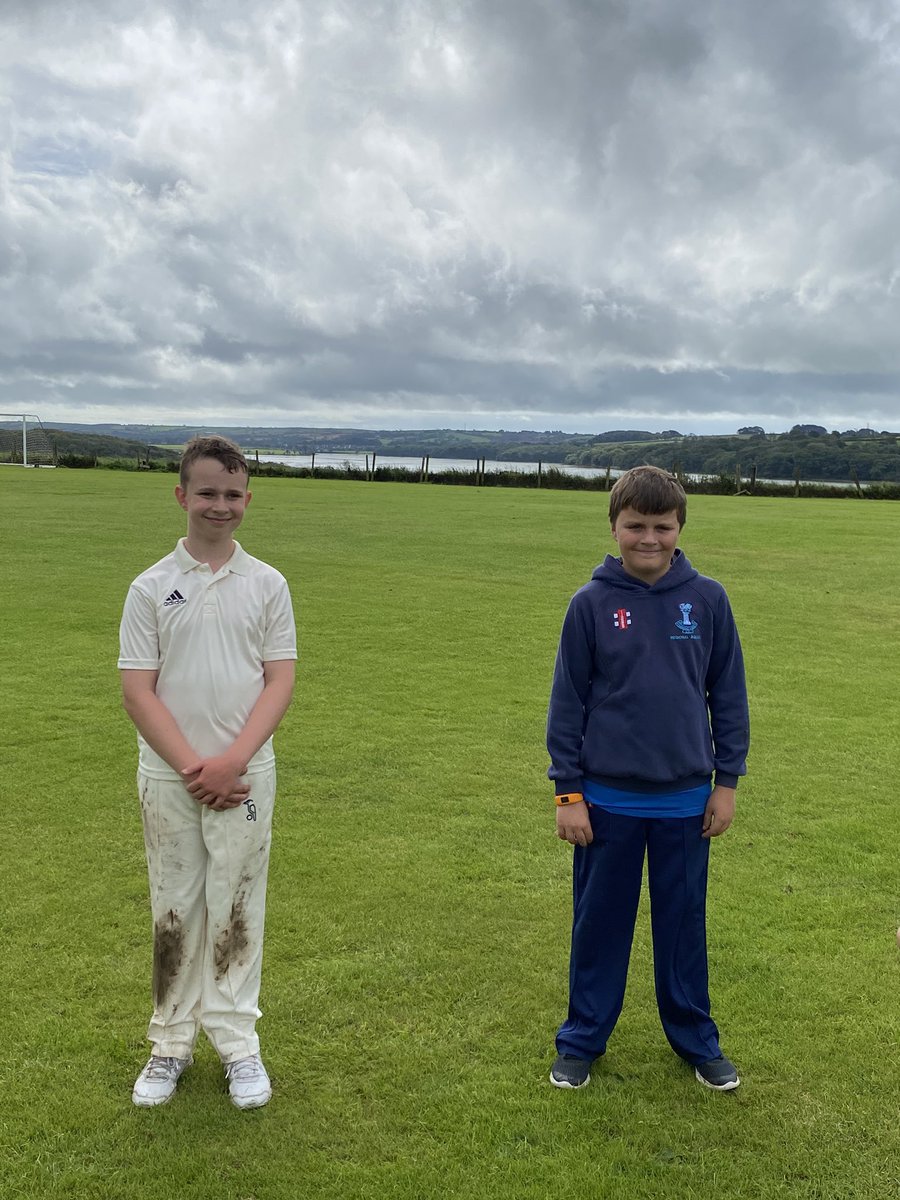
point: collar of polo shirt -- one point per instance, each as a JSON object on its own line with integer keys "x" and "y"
{"x": 237, "y": 563}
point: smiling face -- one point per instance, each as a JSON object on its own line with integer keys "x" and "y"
{"x": 646, "y": 542}
{"x": 214, "y": 499}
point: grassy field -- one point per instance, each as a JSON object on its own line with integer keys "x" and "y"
{"x": 419, "y": 902}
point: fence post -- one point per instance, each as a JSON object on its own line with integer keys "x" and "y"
{"x": 373, "y": 465}
{"x": 753, "y": 478}
{"x": 608, "y": 475}
{"x": 854, "y": 475}
{"x": 427, "y": 466}
{"x": 796, "y": 481}
{"x": 540, "y": 472}
{"x": 312, "y": 465}
{"x": 737, "y": 477}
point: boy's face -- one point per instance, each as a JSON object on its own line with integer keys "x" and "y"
{"x": 214, "y": 499}
{"x": 646, "y": 543}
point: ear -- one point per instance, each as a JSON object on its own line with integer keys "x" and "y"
{"x": 181, "y": 496}
{"x": 248, "y": 498}
{"x": 612, "y": 530}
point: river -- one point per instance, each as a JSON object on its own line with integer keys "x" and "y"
{"x": 435, "y": 464}
{"x": 358, "y": 460}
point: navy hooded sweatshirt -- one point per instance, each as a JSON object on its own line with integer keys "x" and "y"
{"x": 648, "y": 692}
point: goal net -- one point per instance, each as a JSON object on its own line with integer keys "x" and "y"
{"x": 24, "y": 441}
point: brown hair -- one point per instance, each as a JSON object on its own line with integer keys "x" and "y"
{"x": 222, "y": 449}
{"x": 648, "y": 490}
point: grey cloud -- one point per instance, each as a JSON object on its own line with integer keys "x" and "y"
{"x": 568, "y": 211}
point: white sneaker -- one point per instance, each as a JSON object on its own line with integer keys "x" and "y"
{"x": 157, "y": 1082}
{"x": 248, "y": 1083}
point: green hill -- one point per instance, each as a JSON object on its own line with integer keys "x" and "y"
{"x": 824, "y": 456}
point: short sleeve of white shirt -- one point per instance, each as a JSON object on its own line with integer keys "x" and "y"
{"x": 138, "y": 633}
{"x": 281, "y": 636}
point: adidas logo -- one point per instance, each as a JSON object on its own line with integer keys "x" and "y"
{"x": 175, "y": 598}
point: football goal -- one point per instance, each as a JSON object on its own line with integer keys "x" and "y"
{"x": 24, "y": 441}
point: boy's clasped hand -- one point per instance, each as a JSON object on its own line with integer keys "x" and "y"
{"x": 216, "y": 782}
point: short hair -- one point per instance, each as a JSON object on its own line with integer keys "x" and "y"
{"x": 648, "y": 490}
{"x": 222, "y": 449}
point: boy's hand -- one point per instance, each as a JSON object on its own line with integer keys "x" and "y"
{"x": 719, "y": 811}
{"x": 237, "y": 797}
{"x": 216, "y": 781}
{"x": 573, "y": 824}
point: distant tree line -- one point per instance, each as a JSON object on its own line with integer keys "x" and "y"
{"x": 816, "y": 455}
{"x": 98, "y": 445}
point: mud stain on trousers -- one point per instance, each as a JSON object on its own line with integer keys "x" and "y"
{"x": 232, "y": 941}
{"x": 168, "y": 954}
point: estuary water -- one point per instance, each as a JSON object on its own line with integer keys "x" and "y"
{"x": 435, "y": 464}
{"x": 468, "y": 464}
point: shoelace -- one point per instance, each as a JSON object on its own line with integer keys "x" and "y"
{"x": 160, "y": 1068}
{"x": 245, "y": 1070}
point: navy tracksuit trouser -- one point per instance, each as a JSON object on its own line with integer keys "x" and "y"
{"x": 607, "y": 887}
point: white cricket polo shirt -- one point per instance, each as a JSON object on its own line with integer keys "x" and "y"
{"x": 208, "y": 635}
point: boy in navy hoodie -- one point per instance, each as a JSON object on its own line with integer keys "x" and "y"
{"x": 648, "y": 732}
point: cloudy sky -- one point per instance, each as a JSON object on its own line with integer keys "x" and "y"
{"x": 559, "y": 214}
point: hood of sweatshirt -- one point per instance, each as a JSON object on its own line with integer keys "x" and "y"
{"x": 612, "y": 572}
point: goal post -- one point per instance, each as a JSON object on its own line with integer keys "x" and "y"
{"x": 24, "y": 441}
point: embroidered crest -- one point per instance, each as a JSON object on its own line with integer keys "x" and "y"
{"x": 685, "y": 625}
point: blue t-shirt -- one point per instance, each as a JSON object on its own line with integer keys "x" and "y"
{"x": 691, "y": 803}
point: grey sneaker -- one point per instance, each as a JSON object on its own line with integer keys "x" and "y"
{"x": 157, "y": 1082}
{"x": 248, "y": 1082}
{"x": 570, "y": 1072}
{"x": 719, "y": 1073}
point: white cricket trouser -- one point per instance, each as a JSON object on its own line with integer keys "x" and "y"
{"x": 208, "y": 901}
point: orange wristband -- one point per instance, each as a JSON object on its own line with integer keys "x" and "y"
{"x": 570, "y": 798}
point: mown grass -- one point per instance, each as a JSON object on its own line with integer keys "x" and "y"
{"x": 418, "y": 904}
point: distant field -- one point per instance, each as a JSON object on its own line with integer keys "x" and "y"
{"x": 419, "y": 902}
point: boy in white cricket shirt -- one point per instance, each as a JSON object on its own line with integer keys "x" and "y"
{"x": 207, "y": 652}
